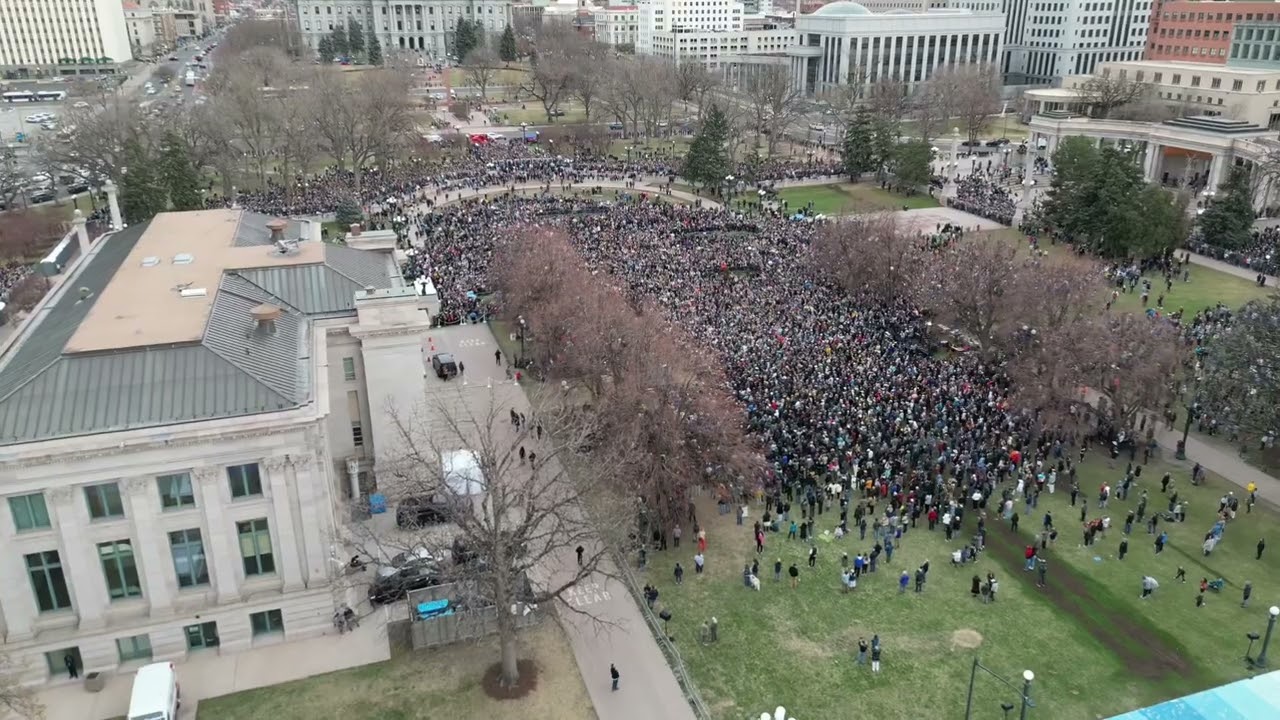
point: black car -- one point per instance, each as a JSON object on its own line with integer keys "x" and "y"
{"x": 395, "y": 587}
{"x": 42, "y": 196}
{"x": 998, "y": 142}
{"x": 464, "y": 554}
{"x": 444, "y": 365}
{"x": 416, "y": 512}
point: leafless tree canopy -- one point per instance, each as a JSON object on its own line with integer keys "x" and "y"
{"x": 15, "y": 699}
{"x": 519, "y": 523}
{"x": 774, "y": 101}
{"x": 871, "y": 253}
{"x": 482, "y": 65}
{"x": 1106, "y": 93}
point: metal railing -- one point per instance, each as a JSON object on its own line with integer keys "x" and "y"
{"x": 674, "y": 659}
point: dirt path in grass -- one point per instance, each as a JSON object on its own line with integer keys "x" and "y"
{"x": 1144, "y": 651}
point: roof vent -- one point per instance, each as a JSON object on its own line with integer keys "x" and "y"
{"x": 193, "y": 293}
{"x": 183, "y": 259}
{"x": 277, "y": 227}
{"x": 150, "y": 261}
{"x": 264, "y": 318}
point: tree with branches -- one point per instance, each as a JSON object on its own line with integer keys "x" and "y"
{"x": 1129, "y": 361}
{"x": 507, "y": 46}
{"x": 1241, "y": 383}
{"x": 857, "y": 152}
{"x": 518, "y": 523}
{"x": 970, "y": 285}
{"x": 774, "y": 101}
{"x": 15, "y": 699}
{"x": 373, "y": 48}
{"x": 1105, "y": 93}
{"x": 1228, "y": 219}
{"x": 707, "y": 161}
{"x": 480, "y": 68}
{"x": 142, "y": 194}
{"x": 178, "y": 175}
{"x": 871, "y": 253}
{"x": 550, "y": 80}
{"x": 977, "y": 97}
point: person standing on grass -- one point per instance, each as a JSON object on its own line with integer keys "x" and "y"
{"x": 1124, "y": 547}
{"x": 679, "y": 574}
{"x": 777, "y": 570}
{"x": 813, "y": 556}
{"x": 1262, "y": 545}
{"x": 794, "y": 572}
{"x": 903, "y": 579}
{"x": 698, "y": 562}
{"x": 1161, "y": 539}
{"x": 1248, "y": 590}
{"x": 614, "y": 675}
{"x": 875, "y": 658}
{"x": 862, "y": 651}
{"x": 1042, "y": 567}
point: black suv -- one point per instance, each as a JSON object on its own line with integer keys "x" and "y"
{"x": 444, "y": 365}
{"x": 416, "y": 512}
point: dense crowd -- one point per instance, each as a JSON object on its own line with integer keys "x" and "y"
{"x": 11, "y": 275}
{"x": 981, "y": 195}
{"x": 1262, "y": 254}
{"x": 498, "y": 164}
{"x": 839, "y": 390}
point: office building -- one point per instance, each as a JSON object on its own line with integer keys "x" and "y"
{"x": 616, "y": 25}
{"x": 72, "y": 37}
{"x": 181, "y": 419}
{"x": 1255, "y": 45}
{"x": 142, "y": 30}
{"x": 844, "y": 42}
{"x": 422, "y": 27}
{"x": 1201, "y": 31}
{"x": 1047, "y": 41}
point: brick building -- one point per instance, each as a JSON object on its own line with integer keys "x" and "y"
{"x": 1200, "y": 30}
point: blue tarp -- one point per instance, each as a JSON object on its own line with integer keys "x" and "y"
{"x": 1253, "y": 699}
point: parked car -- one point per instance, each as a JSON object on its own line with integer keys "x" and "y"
{"x": 464, "y": 554}
{"x": 416, "y": 512}
{"x": 998, "y": 142}
{"x": 414, "y": 573}
{"x": 444, "y": 365}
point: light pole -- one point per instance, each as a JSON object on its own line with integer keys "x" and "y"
{"x": 1272, "y": 613}
{"x": 1027, "y": 677}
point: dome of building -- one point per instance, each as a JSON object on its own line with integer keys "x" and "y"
{"x": 842, "y": 9}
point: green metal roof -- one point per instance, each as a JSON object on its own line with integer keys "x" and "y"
{"x": 234, "y": 370}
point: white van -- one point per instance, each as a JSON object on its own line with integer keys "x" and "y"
{"x": 155, "y": 693}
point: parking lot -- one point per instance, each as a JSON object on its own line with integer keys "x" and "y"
{"x": 12, "y": 118}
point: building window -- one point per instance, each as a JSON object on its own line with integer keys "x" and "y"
{"x": 348, "y": 368}
{"x": 104, "y": 501}
{"x": 255, "y": 547}
{"x": 29, "y": 512}
{"x": 48, "y": 581}
{"x": 1177, "y": 79}
{"x": 1261, "y": 86}
{"x": 1215, "y": 83}
{"x": 267, "y": 622}
{"x": 133, "y": 648}
{"x": 245, "y": 480}
{"x": 120, "y": 569}
{"x": 1195, "y": 81}
{"x": 175, "y": 491}
{"x": 1237, "y": 85}
{"x": 1159, "y": 77}
{"x": 187, "y": 549}
{"x": 203, "y": 635}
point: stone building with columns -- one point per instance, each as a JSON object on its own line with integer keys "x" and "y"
{"x": 424, "y": 28}
{"x": 182, "y": 419}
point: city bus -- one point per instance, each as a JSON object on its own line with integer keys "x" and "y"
{"x": 19, "y": 96}
{"x": 51, "y": 95}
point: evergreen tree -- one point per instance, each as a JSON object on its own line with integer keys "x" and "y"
{"x": 373, "y": 49}
{"x": 141, "y": 194}
{"x": 466, "y": 37}
{"x": 857, "y": 151}
{"x": 507, "y": 48}
{"x": 341, "y": 44}
{"x": 1229, "y": 218}
{"x": 911, "y": 165}
{"x": 355, "y": 37}
{"x": 884, "y": 143}
{"x": 348, "y": 212}
{"x": 179, "y": 175}
{"x": 325, "y": 49}
{"x": 707, "y": 162}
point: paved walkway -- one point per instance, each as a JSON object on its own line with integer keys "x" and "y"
{"x": 1246, "y": 273}
{"x": 610, "y": 627}
{"x": 208, "y": 674}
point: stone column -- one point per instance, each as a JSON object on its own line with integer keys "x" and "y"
{"x": 157, "y": 565}
{"x": 113, "y": 202}
{"x": 221, "y": 554}
{"x": 19, "y": 603}
{"x": 288, "y": 555}
{"x": 1029, "y": 161}
{"x": 80, "y": 563}
{"x": 1216, "y": 165}
{"x": 82, "y": 232}
{"x": 316, "y": 507}
{"x": 1151, "y": 171}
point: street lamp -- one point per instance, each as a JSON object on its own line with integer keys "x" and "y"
{"x": 520, "y": 362}
{"x": 1273, "y": 613}
{"x": 1028, "y": 676}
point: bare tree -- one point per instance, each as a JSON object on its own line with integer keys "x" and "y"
{"x": 24, "y": 234}
{"x": 10, "y": 178}
{"x": 14, "y": 698}
{"x": 95, "y": 151}
{"x": 515, "y": 524}
{"x": 693, "y": 83}
{"x": 929, "y": 109}
{"x": 977, "y": 97}
{"x": 236, "y": 91}
{"x": 550, "y": 80}
{"x": 625, "y": 88}
{"x": 587, "y": 83}
{"x": 971, "y": 285}
{"x": 362, "y": 122}
{"x": 889, "y": 100}
{"x": 774, "y": 101}
{"x": 871, "y": 253}
{"x": 481, "y": 66}
{"x": 1105, "y": 93}
{"x": 295, "y": 114}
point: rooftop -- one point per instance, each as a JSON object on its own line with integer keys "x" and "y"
{"x": 1190, "y": 66}
{"x": 118, "y": 347}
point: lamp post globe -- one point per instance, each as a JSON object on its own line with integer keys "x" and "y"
{"x": 1272, "y": 614}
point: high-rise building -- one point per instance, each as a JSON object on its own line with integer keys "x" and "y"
{"x": 1046, "y": 41}
{"x": 1201, "y": 31}
{"x": 422, "y": 27}
{"x": 70, "y": 37}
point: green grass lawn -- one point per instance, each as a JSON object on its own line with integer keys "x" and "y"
{"x": 417, "y": 685}
{"x": 796, "y": 647}
{"x": 1214, "y": 634}
{"x": 848, "y": 199}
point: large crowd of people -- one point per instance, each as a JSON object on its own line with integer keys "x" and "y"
{"x": 1262, "y": 254}
{"x": 980, "y": 195}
